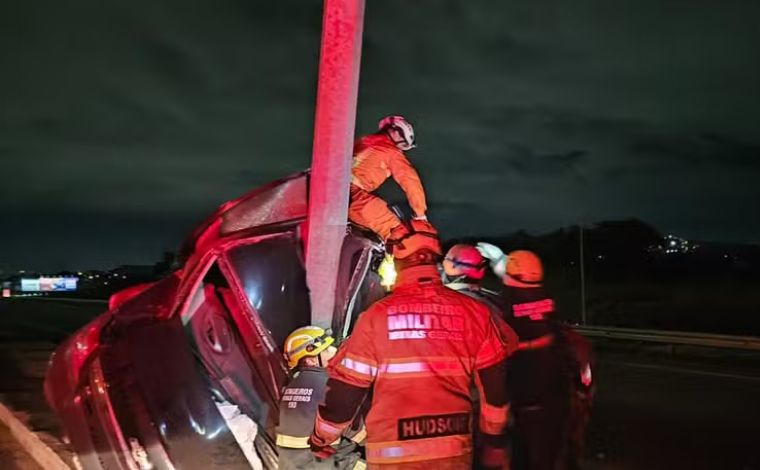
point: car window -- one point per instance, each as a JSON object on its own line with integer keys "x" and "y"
{"x": 274, "y": 280}
{"x": 219, "y": 347}
{"x": 369, "y": 292}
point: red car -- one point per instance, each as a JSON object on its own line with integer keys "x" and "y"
{"x": 166, "y": 376}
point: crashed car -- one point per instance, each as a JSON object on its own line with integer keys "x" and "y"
{"x": 187, "y": 372}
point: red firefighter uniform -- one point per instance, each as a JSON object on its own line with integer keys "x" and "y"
{"x": 376, "y": 158}
{"x": 419, "y": 349}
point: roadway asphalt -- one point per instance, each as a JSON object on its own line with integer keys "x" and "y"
{"x": 659, "y": 413}
{"x": 697, "y": 410}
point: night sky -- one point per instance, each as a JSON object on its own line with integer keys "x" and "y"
{"x": 124, "y": 123}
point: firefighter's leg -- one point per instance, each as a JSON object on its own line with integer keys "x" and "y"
{"x": 541, "y": 435}
{"x": 370, "y": 211}
{"x": 580, "y": 411}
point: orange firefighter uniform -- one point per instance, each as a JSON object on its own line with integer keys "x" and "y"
{"x": 419, "y": 349}
{"x": 376, "y": 158}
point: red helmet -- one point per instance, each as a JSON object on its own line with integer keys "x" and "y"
{"x": 464, "y": 260}
{"x": 408, "y": 239}
{"x": 525, "y": 266}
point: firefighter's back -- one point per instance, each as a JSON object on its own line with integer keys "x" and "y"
{"x": 370, "y": 163}
{"x": 427, "y": 340}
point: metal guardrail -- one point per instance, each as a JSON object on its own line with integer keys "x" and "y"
{"x": 672, "y": 337}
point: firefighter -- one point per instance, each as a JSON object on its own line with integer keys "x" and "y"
{"x": 418, "y": 350}
{"x": 538, "y": 374}
{"x": 376, "y": 157}
{"x": 308, "y": 350}
{"x": 463, "y": 269}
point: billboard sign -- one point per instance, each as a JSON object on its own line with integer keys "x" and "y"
{"x": 49, "y": 284}
{"x": 30, "y": 285}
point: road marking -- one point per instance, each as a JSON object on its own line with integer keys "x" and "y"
{"x": 685, "y": 370}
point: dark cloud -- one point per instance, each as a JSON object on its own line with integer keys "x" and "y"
{"x": 529, "y": 114}
{"x": 705, "y": 150}
{"x": 58, "y": 238}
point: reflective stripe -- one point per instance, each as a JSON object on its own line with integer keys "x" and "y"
{"x": 419, "y": 449}
{"x": 360, "y": 465}
{"x": 327, "y": 432}
{"x": 493, "y": 419}
{"x": 322, "y": 425}
{"x": 360, "y": 436}
{"x": 538, "y": 343}
{"x": 358, "y": 366}
{"x": 405, "y": 368}
{"x": 294, "y": 442}
{"x": 433, "y": 366}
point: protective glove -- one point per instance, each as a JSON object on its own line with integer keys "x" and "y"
{"x": 496, "y": 257}
{"x": 320, "y": 450}
{"x": 420, "y": 217}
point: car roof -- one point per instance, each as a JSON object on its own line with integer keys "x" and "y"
{"x": 281, "y": 201}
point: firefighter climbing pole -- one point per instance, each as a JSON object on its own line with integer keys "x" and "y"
{"x": 335, "y": 119}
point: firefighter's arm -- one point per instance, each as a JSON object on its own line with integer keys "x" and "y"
{"x": 494, "y": 409}
{"x": 336, "y": 414}
{"x": 357, "y": 431}
{"x": 352, "y": 372}
{"x": 407, "y": 177}
{"x": 579, "y": 350}
{"x": 507, "y": 334}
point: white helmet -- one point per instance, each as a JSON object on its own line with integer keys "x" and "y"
{"x": 404, "y": 139}
{"x": 495, "y": 256}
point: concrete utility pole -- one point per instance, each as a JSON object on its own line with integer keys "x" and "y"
{"x": 337, "y": 90}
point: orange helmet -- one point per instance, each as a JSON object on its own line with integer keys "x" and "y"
{"x": 416, "y": 236}
{"x": 525, "y": 266}
{"x": 464, "y": 260}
